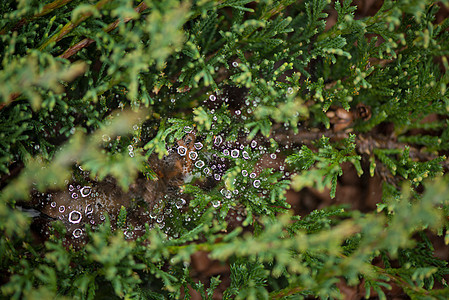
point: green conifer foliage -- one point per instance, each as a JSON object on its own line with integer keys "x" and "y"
{"x": 196, "y": 120}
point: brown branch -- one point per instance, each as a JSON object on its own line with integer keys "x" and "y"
{"x": 45, "y": 10}
{"x": 71, "y": 25}
{"x": 86, "y": 42}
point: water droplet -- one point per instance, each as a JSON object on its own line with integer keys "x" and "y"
{"x": 75, "y": 217}
{"x": 61, "y": 208}
{"x": 188, "y": 129}
{"x": 235, "y": 64}
{"x": 106, "y": 138}
{"x": 218, "y": 140}
{"x": 238, "y": 112}
{"x": 180, "y": 203}
{"x": 131, "y": 154}
{"x": 216, "y": 203}
{"x": 193, "y": 155}
{"x": 77, "y": 233}
{"x": 89, "y": 209}
{"x": 235, "y": 153}
{"x": 102, "y": 217}
{"x": 256, "y": 183}
{"x": 212, "y": 97}
{"x": 290, "y": 90}
{"x": 252, "y": 175}
{"x": 85, "y": 191}
{"x": 273, "y": 156}
{"x": 226, "y": 152}
{"x": 71, "y": 188}
{"x": 53, "y": 204}
{"x": 75, "y": 196}
{"x": 72, "y": 130}
{"x": 207, "y": 171}
{"x": 182, "y": 150}
{"x": 130, "y": 148}
{"x": 199, "y": 164}
{"x": 245, "y": 155}
{"x": 244, "y": 173}
{"x": 198, "y": 146}
{"x": 253, "y": 144}
{"x": 217, "y": 177}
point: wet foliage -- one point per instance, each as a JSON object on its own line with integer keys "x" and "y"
{"x": 183, "y": 149}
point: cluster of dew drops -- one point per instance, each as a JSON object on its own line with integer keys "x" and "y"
{"x": 216, "y": 165}
{"x": 204, "y": 164}
{"x": 77, "y": 208}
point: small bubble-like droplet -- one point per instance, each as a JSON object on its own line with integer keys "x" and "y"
{"x": 235, "y": 153}
{"x": 71, "y": 188}
{"x": 77, "y": 233}
{"x": 207, "y": 171}
{"x": 199, "y": 164}
{"x": 85, "y": 191}
{"x": 253, "y": 144}
{"x": 217, "y": 177}
{"x": 218, "y": 140}
{"x": 244, "y": 173}
{"x": 235, "y": 64}
{"x": 256, "y": 183}
{"x": 198, "y": 146}
{"x": 89, "y": 209}
{"x": 61, "y": 208}
{"x": 226, "y": 152}
{"x": 193, "y": 155}
{"x": 273, "y": 155}
{"x": 75, "y": 217}
{"x": 53, "y": 204}
{"x": 182, "y": 150}
{"x": 245, "y": 155}
{"x": 252, "y": 175}
{"x": 212, "y": 97}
